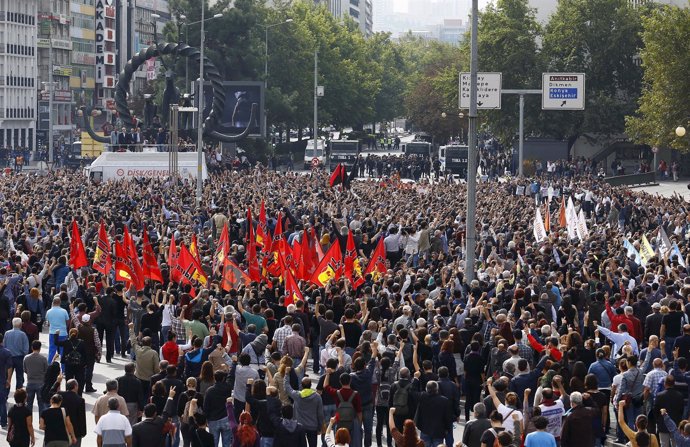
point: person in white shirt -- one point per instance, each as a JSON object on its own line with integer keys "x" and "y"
{"x": 507, "y": 411}
{"x": 619, "y": 339}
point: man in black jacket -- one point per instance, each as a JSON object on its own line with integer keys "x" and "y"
{"x": 215, "y": 411}
{"x": 149, "y": 432}
{"x": 105, "y": 323}
{"x": 434, "y": 416}
{"x": 74, "y": 406}
{"x": 672, "y": 400}
{"x": 449, "y": 389}
{"x": 131, "y": 390}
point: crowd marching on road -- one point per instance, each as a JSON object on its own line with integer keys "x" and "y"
{"x": 283, "y": 311}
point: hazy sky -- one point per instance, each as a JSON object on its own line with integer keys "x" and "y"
{"x": 401, "y": 6}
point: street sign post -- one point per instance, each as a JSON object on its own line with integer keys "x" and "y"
{"x": 488, "y": 90}
{"x": 563, "y": 91}
{"x": 314, "y": 163}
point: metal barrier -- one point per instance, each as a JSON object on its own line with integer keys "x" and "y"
{"x": 645, "y": 178}
{"x": 149, "y": 147}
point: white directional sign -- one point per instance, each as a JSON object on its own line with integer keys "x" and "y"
{"x": 488, "y": 90}
{"x": 563, "y": 91}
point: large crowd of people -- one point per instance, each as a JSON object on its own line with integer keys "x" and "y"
{"x": 556, "y": 342}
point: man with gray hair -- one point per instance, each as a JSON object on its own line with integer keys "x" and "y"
{"x": 577, "y": 425}
{"x": 113, "y": 428}
{"x": 472, "y": 435}
{"x": 17, "y": 343}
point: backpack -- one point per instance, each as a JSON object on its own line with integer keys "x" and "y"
{"x": 384, "y": 394}
{"x": 73, "y": 358}
{"x": 346, "y": 411}
{"x": 401, "y": 399}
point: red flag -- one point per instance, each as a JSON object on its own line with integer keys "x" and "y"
{"x": 173, "y": 256}
{"x": 330, "y": 267}
{"x": 222, "y": 249}
{"x": 297, "y": 249}
{"x": 318, "y": 250}
{"x": 292, "y": 292}
{"x": 377, "y": 263}
{"x": 233, "y": 276}
{"x": 562, "y": 221}
{"x": 151, "y": 269}
{"x": 77, "y": 253}
{"x": 547, "y": 218}
{"x": 252, "y": 260}
{"x": 262, "y": 236}
{"x": 124, "y": 270}
{"x": 337, "y": 176}
{"x": 199, "y": 275}
{"x": 185, "y": 266}
{"x": 353, "y": 271}
{"x": 102, "y": 261}
{"x": 138, "y": 271}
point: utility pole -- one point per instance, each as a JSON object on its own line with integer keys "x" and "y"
{"x": 470, "y": 240}
{"x": 51, "y": 86}
{"x": 200, "y": 130}
{"x": 315, "y": 132}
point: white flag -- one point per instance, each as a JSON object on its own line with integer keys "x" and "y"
{"x": 582, "y": 231}
{"x": 571, "y": 219}
{"x": 539, "y": 230}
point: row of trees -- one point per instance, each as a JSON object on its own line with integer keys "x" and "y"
{"x": 635, "y": 60}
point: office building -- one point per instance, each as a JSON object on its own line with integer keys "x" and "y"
{"x": 18, "y": 69}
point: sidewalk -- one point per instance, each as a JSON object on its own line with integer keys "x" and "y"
{"x": 668, "y": 188}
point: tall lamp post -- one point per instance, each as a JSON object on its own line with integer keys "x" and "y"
{"x": 186, "y": 40}
{"x": 266, "y": 28}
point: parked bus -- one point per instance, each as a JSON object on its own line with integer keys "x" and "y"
{"x": 453, "y": 158}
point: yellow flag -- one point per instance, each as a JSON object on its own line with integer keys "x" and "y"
{"x": 646, "y": 252}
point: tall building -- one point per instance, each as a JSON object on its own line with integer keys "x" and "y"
{"x": 360, "y": 10}
{"x": 144, "y": 27}
{"x": 83, "y": 35}
{"x": 18, "y": 73}
{"x": 54, "y": 48}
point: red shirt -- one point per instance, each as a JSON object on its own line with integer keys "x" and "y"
{"x": 171, "y": 352}
{"x": 553, "y": 352}
{"x": 621, "y": 319}
{"x": 235, "y": 348}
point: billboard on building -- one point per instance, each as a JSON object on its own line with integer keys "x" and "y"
{"x": 239, "y": 97}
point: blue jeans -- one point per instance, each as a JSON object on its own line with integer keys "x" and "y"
{"x": 429, "y": 441}
{"x": 221, "y": 429}
{"x": 328, "y": 413}
{"x": 631, "y": 413}
{"x": 34, "y": 390}
{"x": 368, "y": 422}
{"x": 266, "y": 442}
{"x": 53, "y": 348}
{"x": 18, "y": 365}
{"x": 173, "y": 442}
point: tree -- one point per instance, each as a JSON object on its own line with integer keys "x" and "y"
{"x": 432, "y": 85}
{"x": 600, "y": 38}
{"x": 665, "y": 60}
{"x": 507, "y": 38}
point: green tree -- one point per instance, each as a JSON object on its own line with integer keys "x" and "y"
{"x": 666, "y": 61}
{"x": 600, "y": 38}
{"x": 432, "y": 86}
{"x": 507, "y": 36}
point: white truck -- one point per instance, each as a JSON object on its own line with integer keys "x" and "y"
{"x": 127, "y": 165}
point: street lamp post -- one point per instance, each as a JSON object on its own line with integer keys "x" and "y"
{"x": 186, "y": 40}
{"x": 470, "y": 239}
{"x": 266, "y": 28}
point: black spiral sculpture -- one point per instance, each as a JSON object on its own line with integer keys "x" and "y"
{"x": 210, "y": 71}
